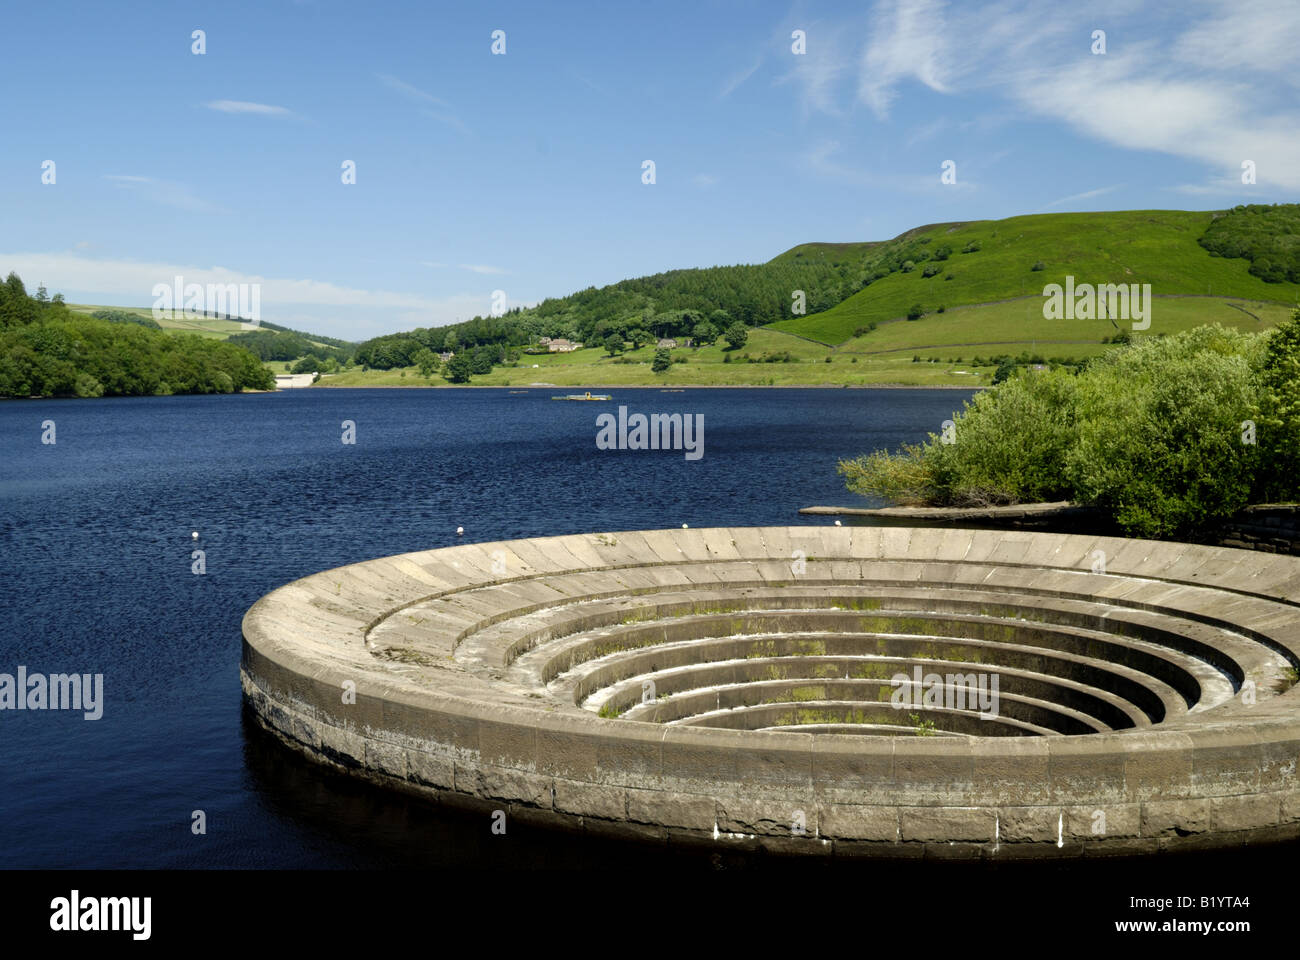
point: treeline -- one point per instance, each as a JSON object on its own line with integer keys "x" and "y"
{"x": 1168, "y": 435}
{"x": 678, "y": 303}
{"x": 48, "y": 350}
{"x": 278, "y": 343}
{"x": 1266, "y": 235}
{"x": 125, "y": 316}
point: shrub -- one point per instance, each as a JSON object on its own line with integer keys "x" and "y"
{"x": 1159, "y": 442}
{"x": 908, "y": 266}
{"x": 1277, "y": 414}
{"x": 971, "y": 247}
{"x": 915, "y": 312}
{"x": 1039, "y": 266}
{"x": 904, "y": 477}
{"x": 931, "y": 270}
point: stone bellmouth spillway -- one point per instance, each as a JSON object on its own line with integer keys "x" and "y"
{"x": 1062, "y": 695}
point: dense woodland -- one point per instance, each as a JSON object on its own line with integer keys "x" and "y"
{"x": 1267, "y": 236}
{"x": 673, "y": 304}
{"x": 701, "y": 303}
{"x": 47, "y": 350}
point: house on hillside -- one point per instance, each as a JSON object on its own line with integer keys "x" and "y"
{"x": 561, "y": 345}
{"x": 446, "y": 355}
{"x": 666, "y": 343}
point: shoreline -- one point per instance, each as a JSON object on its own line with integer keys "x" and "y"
{"x": 637, "y": 386}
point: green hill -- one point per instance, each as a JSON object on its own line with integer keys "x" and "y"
{"x": 988, "y": 261}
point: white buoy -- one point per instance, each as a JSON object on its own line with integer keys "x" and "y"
{"x": 685, "y": 527}
{"x": 194, "y": 535}
{"x": 837, "y": 523}
{"x": 460, "y": 531}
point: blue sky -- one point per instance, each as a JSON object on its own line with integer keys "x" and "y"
{"x": 522, "y": 172}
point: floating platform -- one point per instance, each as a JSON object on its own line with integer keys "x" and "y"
{"x": 584, "y": 396}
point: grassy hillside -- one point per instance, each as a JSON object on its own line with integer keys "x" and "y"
{"x": 216, "y": 328}
{"x": 1016, "y": 325}
{"x": 705, "y": 366}
{"x": 1159, "y": 247}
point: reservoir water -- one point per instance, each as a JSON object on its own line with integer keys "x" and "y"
{"x": 96, "y": 577}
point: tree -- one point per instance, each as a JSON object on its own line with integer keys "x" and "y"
{"x": 705, "y": 333}
{"x": 638, "y": 337}
{"x": 481, "y": 360}
{"x": 1278, "y": 413}
{"x": 427, "y": 361}
{"x": 459, "y": 368}
{"x": 663, "y": 361}
{"x": 737, "y": 335}
{"x": 613, "y": 344}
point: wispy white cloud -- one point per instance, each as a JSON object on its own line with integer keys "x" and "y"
{"x": 167, "y": 192}
{"x": 409, "y": 90}
{"x": 704, "y": 179}
{"x": 1186, "y": 98}
{"x": 443, "y": 112}
{"x": 927, "y": 132}
{"x": 135, "y": 279}
{"x": 903, "y": 45}
{"x": 737, "y": 79}
{"x": 817, "y": 73}
{"x": 587, "y": 81}
{"x": 243, "y": 106}
{"x": 479, "y": 268}
{"x": 822, "y": 159}
{"x": 1076, "y": 197}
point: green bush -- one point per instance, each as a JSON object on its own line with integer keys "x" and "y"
{"x": 1152, "y": 433}
{"x": 1159, "y": 442}
{"x": 1277, "y": 415}
{"x": 904, "y": 477}
{"x": 915, "y": 312}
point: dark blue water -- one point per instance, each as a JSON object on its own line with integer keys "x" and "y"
{"x": 95, "y": 577}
